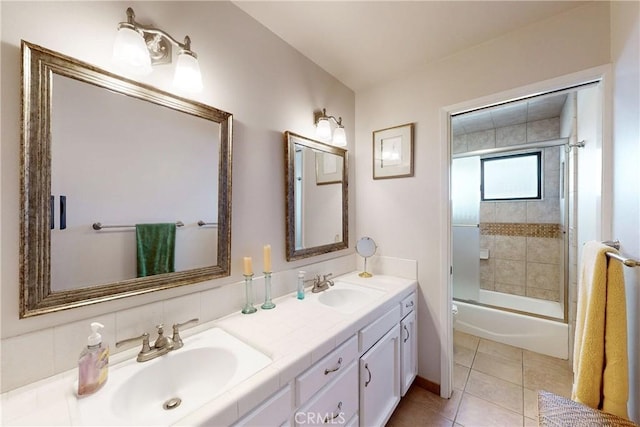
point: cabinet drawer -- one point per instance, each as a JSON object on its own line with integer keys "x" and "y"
{"x": 328, "y": 368}
{"x": 369, "y": 335}
{"x": 408, "y": 304}
{"x": 335, "y": 405}
{"x": 274, "y": 411}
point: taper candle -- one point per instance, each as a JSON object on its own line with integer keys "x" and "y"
{"x": 267, "y": 258}
{"x": 247, "y": 266}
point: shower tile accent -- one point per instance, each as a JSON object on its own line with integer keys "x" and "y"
{"x": 551, "y": 231}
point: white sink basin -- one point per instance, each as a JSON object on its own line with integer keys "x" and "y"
{"x": 166, "y": 389}
{"x": 347, "y": 297}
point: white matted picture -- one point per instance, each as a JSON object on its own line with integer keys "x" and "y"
{"x": 328, "y": 168}
{"x": 393, "y": 152}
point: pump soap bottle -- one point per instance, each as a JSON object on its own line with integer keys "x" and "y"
{"x": 93, "y": 364}
{"x": 301, "y": 284}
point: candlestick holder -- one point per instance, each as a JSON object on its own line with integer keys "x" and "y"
{"x": 268, "y": 305}
{"x": 248, "y": 293}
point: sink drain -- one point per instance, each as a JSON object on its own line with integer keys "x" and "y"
{"x": 172, "y": 403}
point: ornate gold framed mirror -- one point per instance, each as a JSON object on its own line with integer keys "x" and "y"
{"x": 100, "y": 154}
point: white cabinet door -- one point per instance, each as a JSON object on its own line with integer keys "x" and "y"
{"x": 408, "y": 351}
{"x": 380, "y": 380}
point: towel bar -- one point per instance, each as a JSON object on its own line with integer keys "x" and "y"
{"x": 99, "y": 226}
{"x": 629, "y": 262}
{"x": 201, "y": 223}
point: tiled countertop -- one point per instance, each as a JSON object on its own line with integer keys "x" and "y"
{"x": 296, "y": 334}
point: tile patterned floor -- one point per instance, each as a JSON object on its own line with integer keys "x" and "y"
{"x": 494, "y": 385}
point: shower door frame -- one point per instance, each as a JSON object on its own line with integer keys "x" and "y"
{"x": 527, "y": 148}
{"x": 602, "y": 74}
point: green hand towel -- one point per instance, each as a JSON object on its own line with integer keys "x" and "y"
{"x": 156, "y": 248}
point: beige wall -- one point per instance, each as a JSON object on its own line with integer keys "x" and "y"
{"x": 416, "y": 207}
{"x": 268, "y": 86}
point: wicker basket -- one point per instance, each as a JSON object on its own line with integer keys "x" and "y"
{"x": 558, "y": 411}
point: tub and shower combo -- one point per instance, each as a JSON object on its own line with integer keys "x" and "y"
{"x": 510, "y": 223}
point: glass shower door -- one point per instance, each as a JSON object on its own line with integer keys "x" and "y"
{"x": 465, "y": 209}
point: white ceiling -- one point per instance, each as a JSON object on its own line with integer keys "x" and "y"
{"x": 362, "y": 43}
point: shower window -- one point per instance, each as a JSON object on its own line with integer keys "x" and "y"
{"x": 512, "y": 177}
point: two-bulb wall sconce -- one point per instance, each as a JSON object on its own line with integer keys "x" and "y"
{"x": 323, "y": 129}
{"x": 138, "y": 47}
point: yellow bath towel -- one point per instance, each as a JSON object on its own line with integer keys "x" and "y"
{"x": 600, "y": 366}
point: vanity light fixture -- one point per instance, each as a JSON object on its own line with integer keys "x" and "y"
{"x": 138, "y": 47}
{"x": 323, "y": 129}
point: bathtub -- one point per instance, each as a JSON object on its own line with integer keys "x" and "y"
{"x": 532, "y": 333}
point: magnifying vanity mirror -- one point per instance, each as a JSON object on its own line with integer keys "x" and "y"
{"x": 100, "y": 154}
{"x": 317, "y": 197}
{"x": 366, "y": 247}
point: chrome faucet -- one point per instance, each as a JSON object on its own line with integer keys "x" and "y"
{"x": 177, "y": 341}
{"x": 162, "y": 342}
{"x": 323, "y": 284}
{"x": 162, "y": 345}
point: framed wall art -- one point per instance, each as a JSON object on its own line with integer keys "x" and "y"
{"x": 393, "y": 152}
{"x": 329, "y": 168}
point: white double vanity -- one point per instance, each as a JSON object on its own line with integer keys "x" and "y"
{"x": 343, "y": 356}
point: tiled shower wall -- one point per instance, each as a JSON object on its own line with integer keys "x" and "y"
{"x": 524, "y": 238}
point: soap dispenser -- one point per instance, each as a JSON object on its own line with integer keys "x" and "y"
{"x": 93, "y": 364}
{"x": 301, "y": 284}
